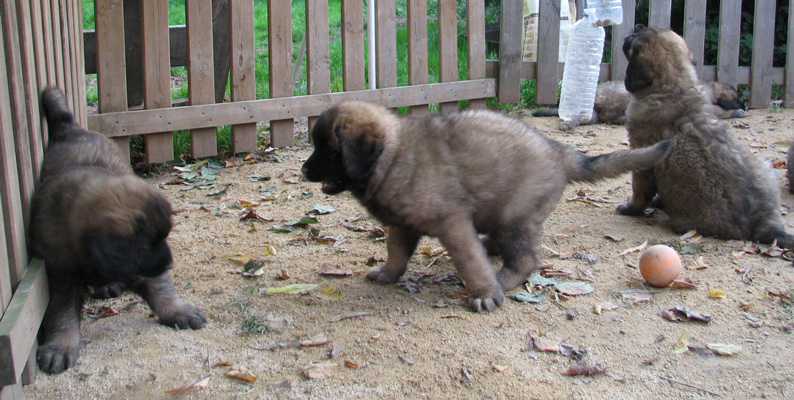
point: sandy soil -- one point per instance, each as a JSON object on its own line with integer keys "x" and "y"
{"x": 424, "y": 344}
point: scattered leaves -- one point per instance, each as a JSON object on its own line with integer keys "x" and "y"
{"x": 634, "y": 249}
{"x": 330, "y": 293}
{"x": 724, "y": 349}
{"x": 197, "y": 385}
{"x": 584, "y": 367}
{"x": 291, "y": 289}
{"x": 241, "y": 373}
{"x": 696, "y": 264}
{"x": 680, "y": 313}
{"x": 682, "y": 345}
{"x": 359, "y": 315}
{"x": 329, "y": 269}
{"x": 684, "y": 283}
{"x": 320, "y": 209}
{"x": 320, "y": 371}
{"x": 574, "y": 288}
{"x": 716, "y": 294}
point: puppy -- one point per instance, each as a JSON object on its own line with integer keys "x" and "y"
{"x": 612, "y": 99}
{"x": 710, "y": 182}
{"x": 452, "y": 177}
{"x": 94, "y": 223}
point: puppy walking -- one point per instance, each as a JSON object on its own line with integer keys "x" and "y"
{"x": 452, "y": 177}
{"x": 710, "y": 182}
{"x": 95, "y": 224}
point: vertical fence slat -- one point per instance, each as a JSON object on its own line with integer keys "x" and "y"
{"x": 62, "y": 35}
{"x": 49, "y": 50}
{"x": 548, "y": 51}
{"x": 30, "y": 87}
{"x": 353, "y": 59}
{"x": 417, "y": 47}
{"x": 763, "y": 53}
{"x": 80, "y": 51}
{"x": 279, "y": 26}
{"x": 475, "y": 34}
{"x": 728, "y": 45}
{"x": 318, "y": 57}
{"x": 617, "y": 71}
{"x": 13, "y": 223}
{"x": 447, "y": 47}
{"x": 243, "y": 71}
{"x": 57, "y": 46}
{"x": 19, "y": 114}
{"x": 386, "y": 42}
{"x": 659, "y": 13}
{"x": 789, "y": 78}
{"x": 509, "y": 90}
{"x": 200, "y": 70}
{"x": 111, "y": 62}
{"x": 39, "y": 58}
{"x": 695, "y": 31}
{"x": 157, "y": 76}
{"x": 8, "y": 165}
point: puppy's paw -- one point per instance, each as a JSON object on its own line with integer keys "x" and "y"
{"x": 57, "y": 357}
{"x": 568, "y": 125}
{"x": 381, "y": 275}
{"x": 628, "y": 209}
{"x": 488, "y": 302}
{"x": 183, "y": 316}
{"x": 108, "y": 291}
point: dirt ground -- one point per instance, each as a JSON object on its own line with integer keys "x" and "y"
{"x": 416, "y": 340}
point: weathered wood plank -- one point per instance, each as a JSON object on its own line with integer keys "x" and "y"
{"x": 82, "y": 113}
{"x": 788, "y": 100}
{"x": 510, "y": 52}
{"x": 353, "y": 60}
{"x": 475, "y": 34}
{"x": 7, "y": 257}
{"x": 318, "y": 57}
{"x": 279, "y": 26}
{"x": 659, "y": 13}
{"x": 64, "y": 35}
{"x": 30, "y": 88}
{"x": 548, "y": 51}
{"x": 695, "y": 31}
{"x": 386, "y": 42}
{"x": 19, "y": 115}
{"x": 729, "y": 40}
{"x": 39, "y": 57}
{"x": 619, "y": 32}
{"x": 57, "y": 48}
{"x": 447, "y": 48}
{"x": 21, "y": 321}
{"x": 144, "y": 121}
{"x": 200, "y": 71}
{"x": 111, "y": 62}
{"x": 221, "y": 46}
{"x": 49, "y": 48}
{"x": 417, "y": 48}
{"x": 763, "y": 54}
{"x": 159, "y": 147}
{"x": 243, "y": 72}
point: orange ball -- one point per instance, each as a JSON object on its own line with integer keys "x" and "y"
{"x": 660, "y": 265}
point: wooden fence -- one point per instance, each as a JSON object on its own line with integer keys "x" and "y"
{"x": 40, "y": 44}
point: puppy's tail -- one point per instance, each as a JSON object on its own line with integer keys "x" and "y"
{"x": 57, "y": 112}
{"x": 551, "y": 112}
{"x": 588, "y": 169}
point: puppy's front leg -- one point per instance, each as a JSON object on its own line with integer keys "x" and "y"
{"x": 643, "y": 188}
{"x": 460, "y": 239}
{"x": 171, "y": 310}
{"x": 400, "y": 245}
{"x": 60, "y": 328}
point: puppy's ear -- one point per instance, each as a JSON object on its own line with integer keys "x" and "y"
{"x": 359, "y": 150}
{"x": 636, "y": 78}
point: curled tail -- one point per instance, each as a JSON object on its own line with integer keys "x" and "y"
{"x": 581, "y": 168}
{"x": 55, "y": 109}
{"x": 551, "y": 112}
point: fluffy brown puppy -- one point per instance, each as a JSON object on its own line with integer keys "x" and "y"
{"x": 612, "y": 99}
{"x": 94, "y": 223}
{"x": 710, "y": 182}
{"x": 452, "y": 177}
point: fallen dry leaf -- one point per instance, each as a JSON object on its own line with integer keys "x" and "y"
{"x": 329, "y": 269}
{"x": 545, "y": 344}
{"x": 323, "y": 370}
{"x": 697, "y": 264}
{"x": 634, "y": 249}
{"x": 716, "y": 294}
{"x": 615, "y": 238}
{"x": 199, "y": 384}
{"x": 682, "y": 345}
{"x": 241, "y": 373}
{"x": 583, "y": 367}
{"x": 680, "y": 313}
{"x": 360, "y": 315}
{"x": 724, "y": 349}
{"x": 684, "y": 283}
{"x": 498, "y": 368}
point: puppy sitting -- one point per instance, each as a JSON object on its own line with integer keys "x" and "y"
{"x": 95, "y": 224}
{"x": 710, "y": 182}
{"x": 452, "y": 177}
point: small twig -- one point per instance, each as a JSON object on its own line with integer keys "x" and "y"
{"x": 746, "y": 278}
{"x": 209, "y": 370}
{"x": 689, "y": 385}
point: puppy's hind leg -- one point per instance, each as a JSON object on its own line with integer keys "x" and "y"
{"x": 60, "y": 328}
{"x": 171, "y": 310}
{"x": 520, "y": 250}
{"x": 460, "y": 239}
{"x": 400, "y": 245}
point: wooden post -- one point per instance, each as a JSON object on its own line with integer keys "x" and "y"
{"x": 200, "y": 72}
{"x": 279, "y": 26}
{"x": 548, "y": 52}
{"x": 111, "y": 62}
{"x": 243, "y": 79}
{"x": 318, "y": 59}
{"x": 448, "y": 47}
{"x": 509, "y": 85}
{"x": 417, "y": 48}
{"x": 475, "y": 33}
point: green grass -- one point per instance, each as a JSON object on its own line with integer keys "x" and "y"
{"x": 177, "y": 16}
